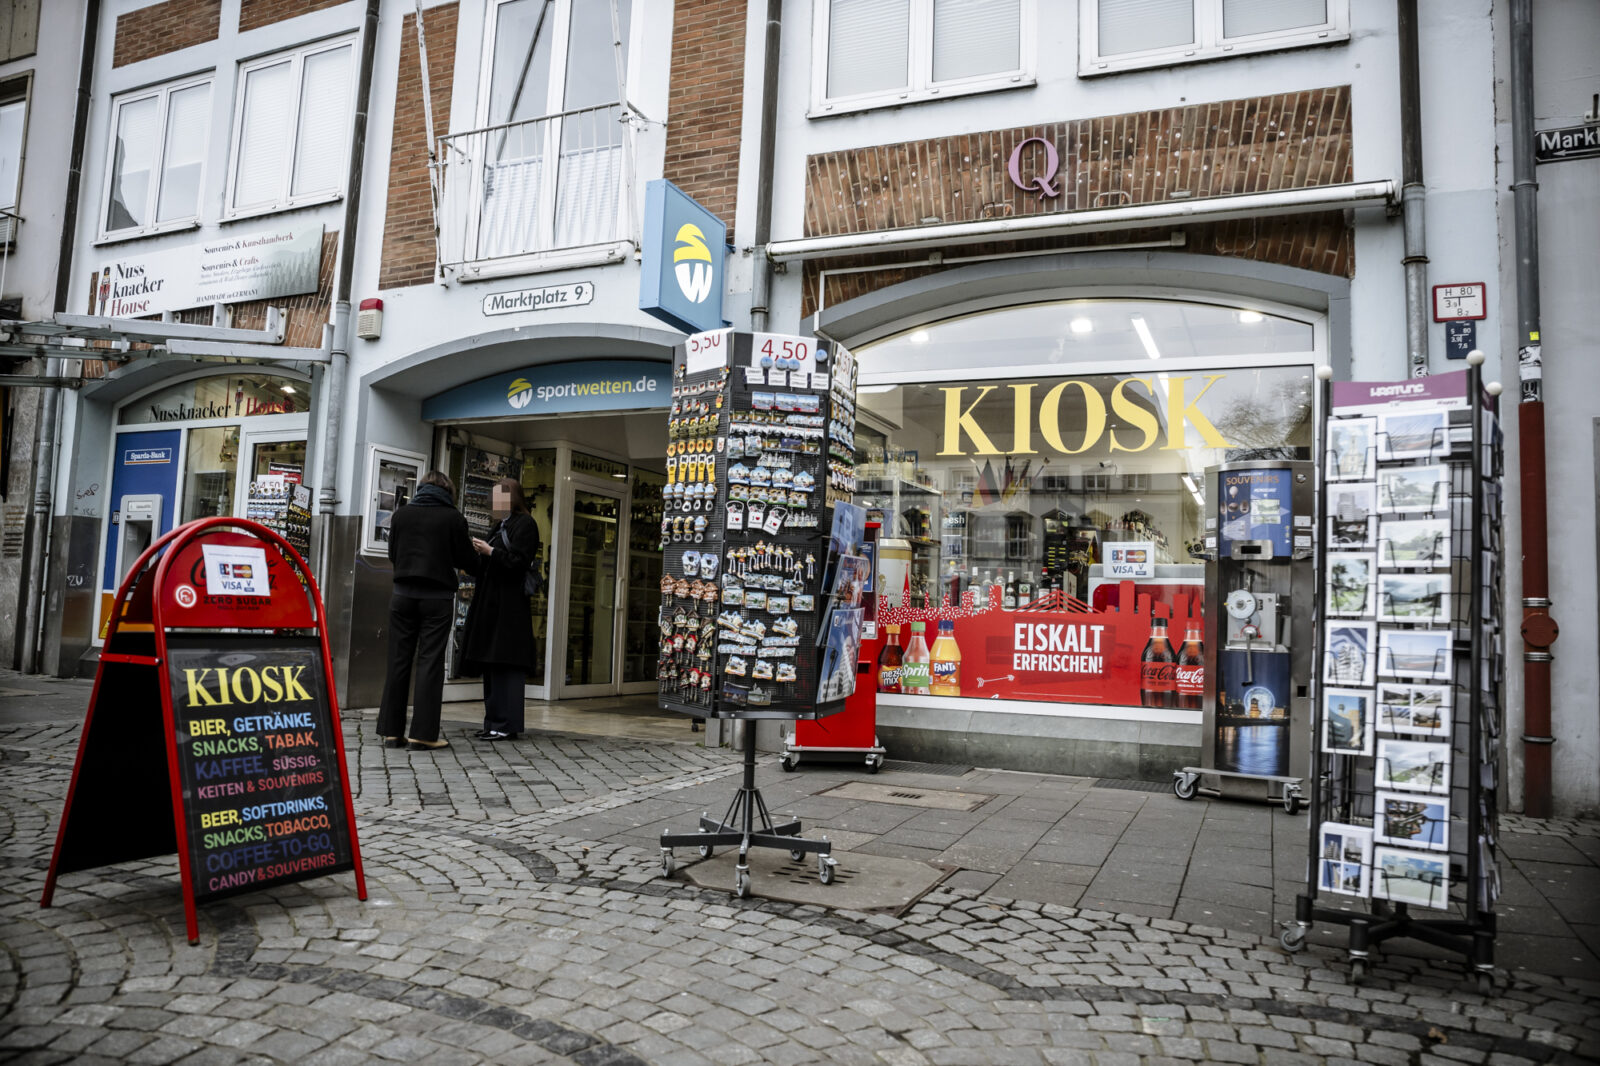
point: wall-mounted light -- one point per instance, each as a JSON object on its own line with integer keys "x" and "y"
{"x": 1081, "y": 325}
{"x": 288, "y": 389}
{"x": 919, "y": 337}
{"x": 1251, "y": 317}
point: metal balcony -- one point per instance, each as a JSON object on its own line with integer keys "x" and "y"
{"x": 536, "y": 187}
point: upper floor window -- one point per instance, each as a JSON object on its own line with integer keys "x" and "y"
{"x": 13, "y": 127}
{"x": 291, "y": 140}
{"x": 875, "y": 53}
{"x": 1126, "y": 34}
{"x": 156, "y": 161}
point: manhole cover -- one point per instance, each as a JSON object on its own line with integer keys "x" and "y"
{"x": 934, "y": 798}
{"x": 860, "y": 882}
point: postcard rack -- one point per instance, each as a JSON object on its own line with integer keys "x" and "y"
{"x": 761, "y": 436}
{"x": 1407, "y": 708}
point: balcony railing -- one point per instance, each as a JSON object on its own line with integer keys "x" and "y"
{"x": 543, "y": 185}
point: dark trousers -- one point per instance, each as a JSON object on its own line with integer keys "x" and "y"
{"x": 502, "y": 697}
{"x": 417, "y": 627}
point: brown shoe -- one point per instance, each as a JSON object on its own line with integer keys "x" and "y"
{"x": 426, "y": 745}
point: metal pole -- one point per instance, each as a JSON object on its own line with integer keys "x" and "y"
{"x": 761, "y": 286}
{"x": 1539, "y": 629}
{"x": 1413, "y": 194}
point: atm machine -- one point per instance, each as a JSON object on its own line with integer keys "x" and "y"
{"x": 138, "y": 524}
{"x": 1259, "y": 636}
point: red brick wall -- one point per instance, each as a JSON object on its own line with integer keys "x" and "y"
{"x": 704, "y": 105}
{"x": 408, "y": 248}
{"x": 165, "y": 27}
{"x": 253, "y": 14}
{"x": 1263, "y": 144}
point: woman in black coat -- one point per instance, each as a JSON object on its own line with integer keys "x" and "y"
{"x": 497, "y": 640}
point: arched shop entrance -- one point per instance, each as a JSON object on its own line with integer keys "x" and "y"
{"x": 206, "y": 445}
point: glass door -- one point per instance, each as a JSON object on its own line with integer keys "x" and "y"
{"x": 594, "y": 527}
{"x": 272, "y": 483}
{"x": 641, "y": 634}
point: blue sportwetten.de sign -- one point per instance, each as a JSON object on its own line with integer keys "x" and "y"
{"x": 685, "y": 248}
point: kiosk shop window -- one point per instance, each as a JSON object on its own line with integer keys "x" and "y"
{"x": 209, "y": 472}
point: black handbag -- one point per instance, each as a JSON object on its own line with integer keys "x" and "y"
{"x": 532, "y": 582}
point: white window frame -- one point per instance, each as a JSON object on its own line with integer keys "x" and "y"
{"x": 1209, "y": 42}
{"x": 286, "y": 200}
{"x": 18, "y": 90}
{"x": 919, "y": 83}
{"x": 164, "y": 91}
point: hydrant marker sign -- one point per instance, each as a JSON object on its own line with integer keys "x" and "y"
{"x": 233, "y": 570}
{"x": 260, "y": 775}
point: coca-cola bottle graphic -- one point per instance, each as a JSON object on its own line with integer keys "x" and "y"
{"x": 1157, "y": 674}
{"x": 1190, "y": 676}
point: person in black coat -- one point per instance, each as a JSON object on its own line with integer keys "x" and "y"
{"x": 498, "y": 639}
{"x": 428, "y": 543}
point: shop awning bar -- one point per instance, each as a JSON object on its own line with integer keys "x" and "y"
{"x": 106, "y": 328}
{"x": 1102, "y": 220}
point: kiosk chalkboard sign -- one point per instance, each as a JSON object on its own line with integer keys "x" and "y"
{"x": 220, "y": 745}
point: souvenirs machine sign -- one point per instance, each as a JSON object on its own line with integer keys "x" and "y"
{"x": 213, "y": 728}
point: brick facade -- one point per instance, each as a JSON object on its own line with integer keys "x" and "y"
{"x": 705, "y": 103}
{"x": 165, "y": 27}
{"x": 254, "y": 14}
{"x": 1295, "y": 140}
{"x": 409, "y": 255}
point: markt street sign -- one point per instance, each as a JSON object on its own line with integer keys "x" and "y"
{"x": 1568, "y": 142}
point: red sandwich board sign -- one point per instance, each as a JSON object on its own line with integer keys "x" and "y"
{"x": 213, "y": 727}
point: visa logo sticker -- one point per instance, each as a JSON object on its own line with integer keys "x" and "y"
{"x": 1133, "y": 560}
{"x": 235, "y": 570}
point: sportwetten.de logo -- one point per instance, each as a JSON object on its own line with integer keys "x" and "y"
{"x": 692, "y": 263}
{"x": 520, "y": 394}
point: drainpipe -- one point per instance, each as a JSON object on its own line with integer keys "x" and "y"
{"x": 761, "y": 287}
{"x": 1413, "y": 195}
{"x": 44, "y": 456}
{"x": 339, "y": 361}
{"x": 1539, "y": 629}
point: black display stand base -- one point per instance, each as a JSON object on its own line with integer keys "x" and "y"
{"x": 1474, "y": 942}
{"x": 748, "y": 825}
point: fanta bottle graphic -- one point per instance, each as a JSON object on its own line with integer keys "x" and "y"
{"x": 946, "y": 661}
{"x": 915, "y": 671}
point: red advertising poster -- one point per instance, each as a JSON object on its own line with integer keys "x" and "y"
{"x": 1060, "y": 649}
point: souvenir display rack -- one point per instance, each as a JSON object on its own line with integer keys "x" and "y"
{"x": 760, "y": 447}
{"x": 1406, "y": 748}
{"x": 284, "y": 507}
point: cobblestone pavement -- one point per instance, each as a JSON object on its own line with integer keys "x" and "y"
{"x": 499, "y": 930}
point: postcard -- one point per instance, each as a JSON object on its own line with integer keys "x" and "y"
{"x": 1419, "y": 598}
{"x": 1413, "y": 765}
{"x": 1346, "y": 721}
{"x": 1414, "y": 490}
{"x": 1413, "y": 435}
{"x": 1345, "y": 859}
{"x": 838, "y": 678}
{"x": 1423, "y": 654}
{"x": 1414, "y": 542}
{"x": 1416, "y": 709}
{"x": 1420, "y": 878}
{"x": 1350, "y": 578}
{"x": 1411, "y": 821}
{"x": 1352, "y": 515}
{"x": 1349, "y": 657}
{"x": 1352, "y": 448}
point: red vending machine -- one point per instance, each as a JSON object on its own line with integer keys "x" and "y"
{"x": 852, "y": 733}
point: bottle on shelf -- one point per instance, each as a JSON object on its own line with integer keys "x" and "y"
{"x": 1157, "y": 673}
{"x": 917, "y": 665}
{"x": 1025, "y": 593}
{"x": 1008, "y": 598}
{"x": 890, "y": 662}
{"x": 1190, "y": 675}
{"x": 945, "y": 661}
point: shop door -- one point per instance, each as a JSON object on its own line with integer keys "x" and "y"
{"x": 274, "y": 486}
{"x": 594, "y": 587}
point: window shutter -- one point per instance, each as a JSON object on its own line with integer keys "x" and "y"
{"x": 869, "y": 43}
{"x": 264, "y": 132}
{"x": 188, "y": 112}
{"x": 974, "y": 37}
{"x": 132, "y": 164}
{"x": 320, "y": 149}
{"x": 1241, "y": 18}
{"x": 1143, "y": 25}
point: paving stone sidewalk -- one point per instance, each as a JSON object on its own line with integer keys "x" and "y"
{"x": 502, "y": 926}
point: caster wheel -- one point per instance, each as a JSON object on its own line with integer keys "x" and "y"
{"x": 1291, "y": 803}
{"x": 706, "y": 851}
{"x": 1293, "y": 939}
{"x": 1358, "y": 971}
{"x": 741, "y": 884}
{"x": 1185, "y": 787}
{"x": 797, "y": 856}
{"x": 788, "y": 765}
{"x": 825, "y": 872}
{"x": 1486, "y": 984}
{"x": 874, "y": 765}
{"x": 667, "y": 864}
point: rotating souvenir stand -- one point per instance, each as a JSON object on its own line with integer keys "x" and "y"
{"x": 1405, "y": 752}
{"x": 760, "y": 446}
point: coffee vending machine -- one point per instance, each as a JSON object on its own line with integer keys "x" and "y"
{"x": 1260, "y": 528}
